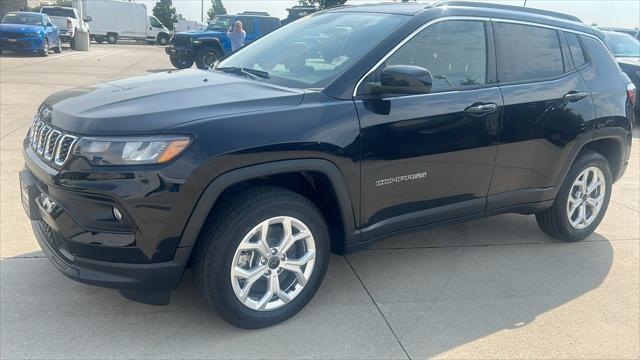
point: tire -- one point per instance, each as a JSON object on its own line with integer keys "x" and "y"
{"x": 58, "y": 49}
{"x": 72, "y": 43}
{"x": 98, "y": 39}
{"x": 162, "y": 40}
{"x": 45, "y": 49}
{"x": 556, "y": 221}
{"x": 206, "y": 57}
{"x": 230, "y": 226}
{"x": 181, "y": 63}
{"x": 112, "y": 38}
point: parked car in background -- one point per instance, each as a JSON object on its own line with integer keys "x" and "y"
{"x": 633, "y": 32}
{"x": 208, "y": 46}
{"x": 326, "y": 135}
{"x": 113, "y": 20}
{"x": 29, "y": 32}
{"x": 626, "y": 50}
{"x": 68, "y": 22}
{"x": 183, "y": 25}
{"x": 298, "y": 12}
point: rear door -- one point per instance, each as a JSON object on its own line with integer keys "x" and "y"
{"x": 428, "y": 158}
{"x": 547, "y": 106}
{"x": 249, "y": 26}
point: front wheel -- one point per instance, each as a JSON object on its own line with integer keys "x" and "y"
{"x": 262, "y": 256}
{"x": 181, "y": 62}
{"x": 112, "y": 38}
{"x": 162, "y": 40}
{"x": 98, "y": 39}
{"x": 582, "y": 200}
{"x": 207, "y": 57}
{"x": 45, "y": 48}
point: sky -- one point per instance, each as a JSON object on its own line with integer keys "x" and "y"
{"x": 618, "y": 13}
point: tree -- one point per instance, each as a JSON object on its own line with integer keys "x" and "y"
{"x": 322, "y": 4}
{"x": 216, "y": 9}
{"x": 166, "y": 13}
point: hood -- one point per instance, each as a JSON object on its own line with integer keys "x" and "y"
{"x": 203, "y": 33}
{"x": 151, "y": 103}
{"x": 20, "y": 28}
{"x": 635, "y": 61}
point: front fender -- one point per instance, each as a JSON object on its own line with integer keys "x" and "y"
{"x": 213, "y": 191}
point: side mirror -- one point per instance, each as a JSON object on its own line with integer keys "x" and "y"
{"x": 88, "y": 19}
{"x": 402, "y": 79}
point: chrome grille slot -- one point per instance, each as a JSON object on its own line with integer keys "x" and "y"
{"x": 63, "y": 149}
{"x": 49, "y": 148}
{"x": 42, "y": 139}
{"x": 51, "y": 144}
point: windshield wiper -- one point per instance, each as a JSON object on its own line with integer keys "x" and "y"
{"x": 250, "y": 73}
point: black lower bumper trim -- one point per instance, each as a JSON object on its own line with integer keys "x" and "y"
{"x": 141, "y": 278}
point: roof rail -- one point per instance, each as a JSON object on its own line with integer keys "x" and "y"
{"x": 261, "y": 13}
{"x": 509, "y": 8}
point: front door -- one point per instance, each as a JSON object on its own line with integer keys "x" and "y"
{"x": 428, "y": 158}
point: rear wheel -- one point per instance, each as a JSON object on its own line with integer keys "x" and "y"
{"x": 207, "y": 57}
{"x": 582, "y": 200}
{"x": 181, "y": 62}
{"x": 112, "y": 38}
{"x": 72, "y": 43}
{"x": 58, "y": 48}
{"x": 262, "y": 257}
{"x": 98, "y": 39}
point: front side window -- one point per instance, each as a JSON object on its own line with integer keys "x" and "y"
{"x": 527, "y": 52}
{"x": 311, "y": 52}
{"x": 576, "y": 49}
{"x": 219, "y": 23}
{"x": 454, "y": 51}
{"x": 155, "y": 22}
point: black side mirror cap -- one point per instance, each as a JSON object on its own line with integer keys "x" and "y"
{"x": 402, "y": 80}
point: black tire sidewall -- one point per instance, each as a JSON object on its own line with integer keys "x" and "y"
{"x": 223, "y": 296}
{"x": 175, "y": 61}
{"x": 200, "y": 54}
{"x": 568, "y": 232}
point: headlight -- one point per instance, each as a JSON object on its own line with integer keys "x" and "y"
{"x": 131, "y": 150}
{"x": 196, "y": 42}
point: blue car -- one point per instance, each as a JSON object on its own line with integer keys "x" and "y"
{"x": 29, "y": 32}
{"x": 208, "y": 46}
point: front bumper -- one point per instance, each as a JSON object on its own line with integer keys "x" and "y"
{"x": 73, "y": 230}
{"x": 151, "y": 278}
{"x": 21, "y": 44}
{"x": 179, "y": 52}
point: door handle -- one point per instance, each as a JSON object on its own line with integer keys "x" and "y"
{"x": 481, "y": 109}
{"x": 575, "y": 96}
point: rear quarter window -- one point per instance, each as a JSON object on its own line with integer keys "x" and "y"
{"x": 527, "y": 52}
{"x": 576, "y": 50}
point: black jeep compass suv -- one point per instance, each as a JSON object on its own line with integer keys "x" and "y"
{"x": 341, "y": 128}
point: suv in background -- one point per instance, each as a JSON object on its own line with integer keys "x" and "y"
{"x": 626, "y": 50}
{"x": 68, "y": 22}
{"x": 329, "y": 134}
{"x": 632, "y": 32}
{"x": 208, "y": 46}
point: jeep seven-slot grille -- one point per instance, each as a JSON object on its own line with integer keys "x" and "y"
{"x": 52, "y": 145}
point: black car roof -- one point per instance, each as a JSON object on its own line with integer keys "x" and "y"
{"x": 471, "y": 8}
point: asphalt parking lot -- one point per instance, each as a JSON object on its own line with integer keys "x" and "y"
{"x": 493, "y": 288}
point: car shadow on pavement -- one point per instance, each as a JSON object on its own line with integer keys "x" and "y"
{"x": 435, "y": 290}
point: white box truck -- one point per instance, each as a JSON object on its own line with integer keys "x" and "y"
{"x": 112, "y": 20}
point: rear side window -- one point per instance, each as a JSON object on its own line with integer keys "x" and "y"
{"x": 248, "y": 25}
{"x": 454, "y": 51}
{"x": 528, "y": 52}
{"x": 576, "y": 49}
{"x": 266, "y": 26}
{"x": 59, "y": 12}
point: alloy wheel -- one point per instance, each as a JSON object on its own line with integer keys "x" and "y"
{"x": 586, "y": 197}
{"x": 273, "y": 263}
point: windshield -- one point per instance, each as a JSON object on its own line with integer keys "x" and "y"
{"x": 59, "y": 12}
{"x": 622, "y": 45}
{"x": 22, "y": 19}
{"x": 312, "y": 51}
{"x": 219, "y": 23}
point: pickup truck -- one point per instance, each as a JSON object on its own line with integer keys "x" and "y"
{"x": 68, "y": 21}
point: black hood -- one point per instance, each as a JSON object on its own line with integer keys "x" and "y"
{"x": 148, "y": 104}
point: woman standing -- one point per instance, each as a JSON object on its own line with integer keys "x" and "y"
{"x": 236, "y": 36}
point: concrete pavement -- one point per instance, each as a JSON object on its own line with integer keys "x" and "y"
{"x": 492, "y": 288}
